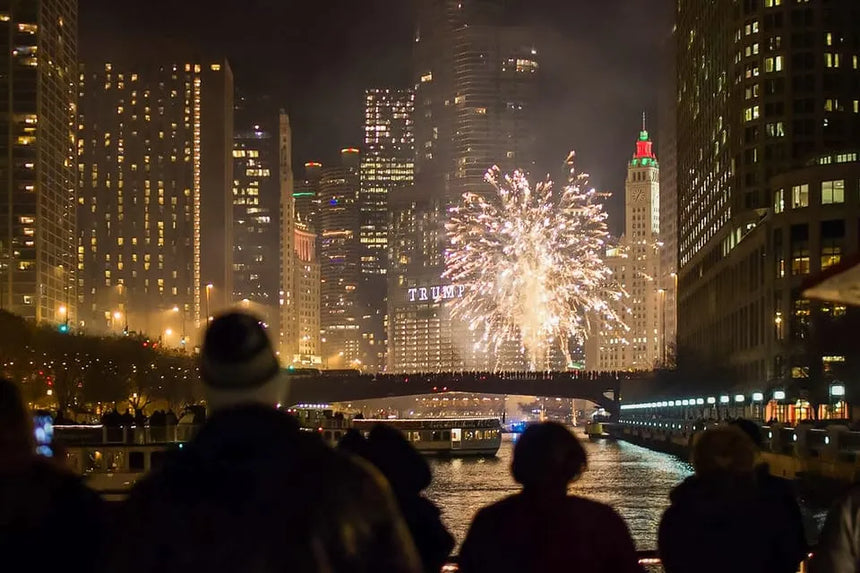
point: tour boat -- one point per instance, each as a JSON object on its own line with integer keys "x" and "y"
{"x": 445, "y": 436}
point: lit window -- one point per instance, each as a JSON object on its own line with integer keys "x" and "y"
{"x": 832, "y": 192}
{"x": 779, "y": 201}
{"x": 799, "y": 196}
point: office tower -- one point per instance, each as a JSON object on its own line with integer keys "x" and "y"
{"x": 635, "y": 264}
{"x": 386, "y": 165}
{"x": 155, "y": 167}
{"x": 256, "y": 221}
{"x": 668, "y": 152}
{"x": 38, "y": 246}
{"x": 306, "y": 194}
{"x": 307, "y": 296}
{"x": 768, "y": 124}
{"x": 476, "y": 81}
{"x": 340, "y": 262}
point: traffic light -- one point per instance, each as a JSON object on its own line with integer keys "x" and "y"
{"x": 63, "y": 328}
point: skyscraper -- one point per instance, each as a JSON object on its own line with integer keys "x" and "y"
{"x": 307, "y": 296}
{"x": 38, "y": 254}
{"x": 306, "y": 194}
{"x": 155, "y": 205}
{"x": 668, "y": 152}
{"x": 256, "y": 220}
{"x": 768, "y": 126}
{"x": 476, "y": 81}
{"x": 635, "y": 263}
{"x": 288, "y": 345}
{"x": 340, "y": 262}
{"x": 387, "y": 164}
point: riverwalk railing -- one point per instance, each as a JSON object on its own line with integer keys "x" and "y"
{"x": 649, "y": 560}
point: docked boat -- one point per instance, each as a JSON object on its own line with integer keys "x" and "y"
{"x": 445, "y": 436}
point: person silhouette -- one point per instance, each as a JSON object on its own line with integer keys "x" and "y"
{"x": 252, "y": 491}
{"x": 408, "y": 474}
{"x": 725, "y": 513}
{"x": 38, "y": 495}
{"x": 542, "y": 528}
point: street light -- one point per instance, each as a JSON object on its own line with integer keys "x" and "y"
{"x": 182, "y": 339}
{"x": 64, "y": 319}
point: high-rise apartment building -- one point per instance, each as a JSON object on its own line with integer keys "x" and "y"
{"x": 256, "y": 221}
{"x": 155, "y": 174}
{"x": 38, "y": 246}
{"x": 635, "y": 263}
{"x": 476, "y": 82}
{"x": 768, "y": 124}
{"x": 340, "y": 262}
{"x": 387, "y": 164}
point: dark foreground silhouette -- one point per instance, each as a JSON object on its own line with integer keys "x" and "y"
{"x": 39, "y": 499}
{"x": 723, "y": 518}
{"x": 543, "y": 528}
{"x": 409, "y": 474}
{"x": 252, "y": 492}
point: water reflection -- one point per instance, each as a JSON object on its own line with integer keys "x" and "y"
{"x": 633, "y": 480}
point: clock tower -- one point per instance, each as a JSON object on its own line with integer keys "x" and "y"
{"x": 635, "y": 265}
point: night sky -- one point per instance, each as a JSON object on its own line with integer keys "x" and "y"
{"x": 601, "y": 62}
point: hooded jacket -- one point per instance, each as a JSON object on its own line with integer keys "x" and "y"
{"x": 253, "y": 493}
{"x": 727, "y": 523}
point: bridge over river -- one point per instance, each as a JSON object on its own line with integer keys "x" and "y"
{"x": 602, "y": 388}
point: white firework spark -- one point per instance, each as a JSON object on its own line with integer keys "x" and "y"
{"x": 531, "y": 262}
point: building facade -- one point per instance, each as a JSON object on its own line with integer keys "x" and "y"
{"x": 38, "y": 243}
{"x": 256, "y": 221}
{"x": 388, "y": 163}
{"x": 635, "y": 264}
{"x": 668, "y": 152}
{"x": 155, "y": 174}
{"x": 340, "y": 262}
{"x": 307, "y": 296}
{"x": 767, "y": 136}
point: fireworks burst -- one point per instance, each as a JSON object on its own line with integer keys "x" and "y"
{"x": 532, "y": 263}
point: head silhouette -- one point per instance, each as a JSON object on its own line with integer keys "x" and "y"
{"x": 724, "y": 451}
{"x": 547, "y": 458}
{"x": 404, "y": 468}
{"x": 16, "y": 426}
{"x": 238, "y": 365}
{"x": 751, "y": 429}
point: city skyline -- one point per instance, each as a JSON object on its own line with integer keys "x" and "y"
{"x": 346, "y": 49}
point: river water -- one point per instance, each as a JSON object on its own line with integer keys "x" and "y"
{"x": 633, "y": 480}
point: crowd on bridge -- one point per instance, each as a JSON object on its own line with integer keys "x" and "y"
{"x": 502, "y": 375}
{"x": 252, "y": 492}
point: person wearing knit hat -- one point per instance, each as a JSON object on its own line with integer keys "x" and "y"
{"x": 238, "y": 365}
{"x": 252, "y": 491}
